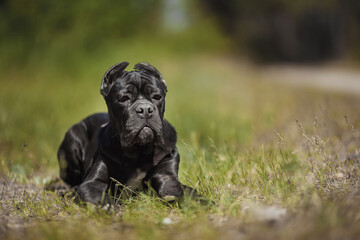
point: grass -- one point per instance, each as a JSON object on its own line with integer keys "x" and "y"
{"x": 279, "y": 163}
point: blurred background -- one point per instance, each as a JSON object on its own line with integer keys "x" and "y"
{"x": 212, "y": 53}
{"x": 264, "y": 30}
{"x": 299, "y": 31}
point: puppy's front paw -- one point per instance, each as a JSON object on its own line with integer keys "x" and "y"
{"x": 171, "y": 191}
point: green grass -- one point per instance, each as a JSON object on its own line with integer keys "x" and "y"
{"x": 238, "y": 138}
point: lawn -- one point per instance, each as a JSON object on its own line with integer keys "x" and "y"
{"x": 278, "y": 162}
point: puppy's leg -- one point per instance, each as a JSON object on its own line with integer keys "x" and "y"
{"x": 71, "y": 155}
{"x": 164, "y": 178}
{"x": 78, "y": 148}
{"x": 93, "y": 188}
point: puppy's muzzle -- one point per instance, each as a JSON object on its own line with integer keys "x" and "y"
{"x": 145, "y": 110}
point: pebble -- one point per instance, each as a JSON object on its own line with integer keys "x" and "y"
{"x": 167, "y": 221}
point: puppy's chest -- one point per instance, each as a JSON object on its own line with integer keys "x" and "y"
{"x": 131, "y": 174}
{"x": 132, "y": 179}
{"x": 135, "y": 180}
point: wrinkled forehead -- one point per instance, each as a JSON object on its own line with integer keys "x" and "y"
{"x": 139, "y": 80}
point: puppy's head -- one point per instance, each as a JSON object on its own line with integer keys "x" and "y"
{"x": 136, "y": 103}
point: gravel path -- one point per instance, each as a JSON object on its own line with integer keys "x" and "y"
{"x": 326, "y": 78}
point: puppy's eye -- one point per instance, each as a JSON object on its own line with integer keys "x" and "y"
{"x": 157, "y": 97}
{"x": 123, "y": 98}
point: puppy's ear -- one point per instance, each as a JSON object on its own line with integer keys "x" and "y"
{"x": 110, "y": 76}
{"x": 151, "y": 70}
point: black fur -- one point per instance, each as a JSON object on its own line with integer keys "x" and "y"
{"x": 132, "y": 143}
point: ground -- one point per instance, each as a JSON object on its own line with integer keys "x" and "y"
{"x": 279, "y": 161}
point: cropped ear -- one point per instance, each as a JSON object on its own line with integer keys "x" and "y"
{"x": 151, "y": 70}
{"x": 110, "y": 76}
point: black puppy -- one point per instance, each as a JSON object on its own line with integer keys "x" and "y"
{"x": 133, "y": 143}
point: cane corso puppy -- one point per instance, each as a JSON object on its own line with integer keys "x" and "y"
{"x": 133, "y": 143}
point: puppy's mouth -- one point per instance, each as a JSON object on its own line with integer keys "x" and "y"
{"x": 145, "y": 135}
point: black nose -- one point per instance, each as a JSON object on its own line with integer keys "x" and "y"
{"x": 145, "y": 110}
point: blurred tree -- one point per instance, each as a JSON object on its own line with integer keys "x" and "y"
{"x": 28, "y": 26}
{"x": 300, "y": 30}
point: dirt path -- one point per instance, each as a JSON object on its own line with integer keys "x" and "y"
{"x": 11, "y": 197}
{"x": 338, "y": 80}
